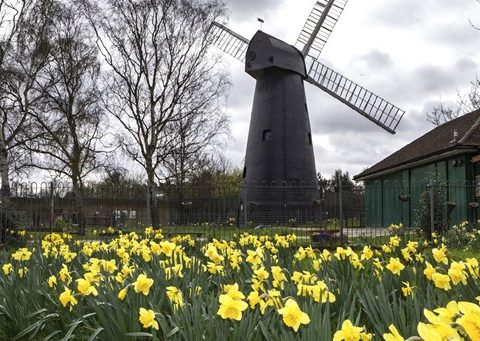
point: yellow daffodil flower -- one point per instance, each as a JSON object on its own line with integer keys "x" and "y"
{"x": 292, "y": 315}
{"x": 230, "y": 308}
{"x": 395, "y": 266}
{"x": 7, "y": 268}
{"x": 348, "y": 332}
{"x": 67, "y": 298}
{"x": 142, "y": 284}
{"x": 147, "y": 318}
{"x": 394, "y": 335}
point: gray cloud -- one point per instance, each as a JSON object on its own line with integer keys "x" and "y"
{"x": 376, "y": 59}
{"x": 455, "y": 34}
{"x": 404, "y": 13}
{"x": 251, "y": 9}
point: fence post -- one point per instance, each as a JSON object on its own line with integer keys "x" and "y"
{"x": 245, "y": 207}
{"x": 51, "y": 206}
{"x": 340, "y": 202}
{"x": 432, "y": 211}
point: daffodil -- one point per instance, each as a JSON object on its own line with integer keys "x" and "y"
{"x": 230, "y": 308}
{"x": 22, "y": 254}
{"x": 67, "y": 298}
{"x": 7, "y": 268}
{"x": 470, "y": 319}
{"x": 52, "y": 281}
{"x": 64, "y": 274}
{"x": 440, "y": 254}
{"x": 261, "y": 274}
{"x": 441, "y": 281}
{"x": 348, "y": 332}
{"x": 394, "y": 335}
{"x": 292, "y": 315}
{"x": 147, "y": 318}
{"x": 167, "y": 248}
{"x": 367, "y": 253}
{"x": 175, "y": 296}
{"x": 395, "y": 266}
{"x": 86, "y": 288}
{"x": 142, "y": 284}
{"x": 407, "y": 290}
{"x": 254, "y": 299}
{"x": 22, "y": 272}
{"x": 122, "y": 294}
{"x": 457, "y": 273}
{"x": 429, "y": 270}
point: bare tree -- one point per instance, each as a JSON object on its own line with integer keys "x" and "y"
{"x": 475, "y": 26}
{"x": 69, "y": 117}
{"x": 466, "y": 103}
{"x": 160, "y": 71}
{"x": 195, "y": 143}
{"x": 11, "y": 120}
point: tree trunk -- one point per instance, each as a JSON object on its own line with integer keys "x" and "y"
{"x": 77, "y": 191}
{"x": 4, "y": 172}
{"x": 151, "y": 198}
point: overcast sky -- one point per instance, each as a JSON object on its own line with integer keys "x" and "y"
{"x": 412, "y": 53}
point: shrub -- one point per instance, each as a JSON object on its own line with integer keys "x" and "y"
{"x": 440, "y": 210}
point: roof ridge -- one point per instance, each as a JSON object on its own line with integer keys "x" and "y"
{"x": 470, "y": 131}
{"x": 437, "y": 140}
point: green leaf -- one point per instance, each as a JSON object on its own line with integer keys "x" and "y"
{"x": 173, "y": 332}
{"x": 52, "y": 335}
{"x": 139, "y": 334}
{"x": 95, "y": 334}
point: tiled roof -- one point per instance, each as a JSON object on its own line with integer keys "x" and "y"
{"x": 436, "y": 141}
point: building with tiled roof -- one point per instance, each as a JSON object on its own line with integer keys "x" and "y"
{"x": 450, "y": 153}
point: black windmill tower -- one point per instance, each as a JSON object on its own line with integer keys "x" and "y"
{"x": 279, "y": 174}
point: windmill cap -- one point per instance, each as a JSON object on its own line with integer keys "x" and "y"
{"x": 265, "y": 51}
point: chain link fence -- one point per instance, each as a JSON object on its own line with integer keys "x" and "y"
{"x": 319, "y": 216}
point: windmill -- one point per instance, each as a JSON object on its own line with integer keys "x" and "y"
{"x": 279, "y": 173}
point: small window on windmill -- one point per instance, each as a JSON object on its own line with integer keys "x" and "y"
{"x": 310, "y": 138}
{"x": 244, "y": 172}
{"x": 133, "y": 214}
{"x": 267, "y": 135}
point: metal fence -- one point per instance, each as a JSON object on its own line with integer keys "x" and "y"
{"x": 325, "y": 215}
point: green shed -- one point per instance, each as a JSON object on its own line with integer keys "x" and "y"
{"x": 449, "y": 154}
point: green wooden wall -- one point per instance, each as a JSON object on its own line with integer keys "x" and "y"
{"x": 382, "y": 194}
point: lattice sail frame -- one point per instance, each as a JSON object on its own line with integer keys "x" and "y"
{"x": 319, "y": 26}
{"x": 373, "y": 107}
{"x": 229, "y": 41}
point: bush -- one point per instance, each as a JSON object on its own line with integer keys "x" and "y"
{"x": 59, "y": 224}
{"x": 440, "y": 210}
{"x": 8, "y": 220}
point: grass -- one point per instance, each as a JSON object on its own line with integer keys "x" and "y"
{"x": 463, "y": 253}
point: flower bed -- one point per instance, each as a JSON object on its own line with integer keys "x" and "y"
{"x": 249, "y": 288}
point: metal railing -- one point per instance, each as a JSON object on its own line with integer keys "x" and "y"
{"x": 335, "y": 215}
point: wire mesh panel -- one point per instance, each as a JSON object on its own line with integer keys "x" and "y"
{"x": 319, "y": 26}
{"x": 334, "y": 215}
{"x": 229, "y": 41}
{"x": 373, "y": 107}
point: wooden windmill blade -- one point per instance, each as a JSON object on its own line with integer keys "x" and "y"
{"x": 319, "y": 26}
{"x": 229, "y": 41}
{"x": 373, "y": 107}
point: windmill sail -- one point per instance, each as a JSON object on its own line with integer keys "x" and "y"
{"x": 229, "y": 41}
{"x": 319, "y": 25}
{"x": 373, "y": 107}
